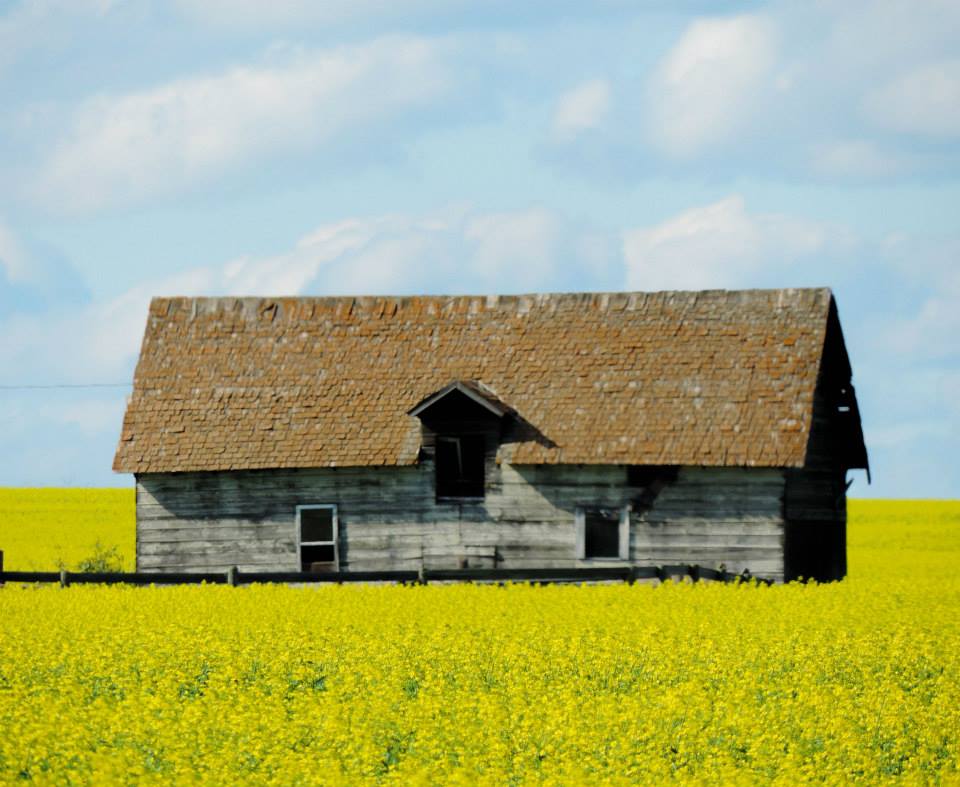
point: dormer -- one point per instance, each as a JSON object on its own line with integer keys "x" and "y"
{"x": 461, "y": 427}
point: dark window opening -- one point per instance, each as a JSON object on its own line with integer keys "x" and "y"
{"x": 312, "y": 554}
{"x": 601, "y": 536}
{"x": 461, "y": 464}
{"x": 316, "y": 524}
{"x": 318, "y": 538}
{"x": 648, "y": 475}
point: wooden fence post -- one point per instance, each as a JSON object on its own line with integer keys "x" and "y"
{"x": 63, "y": 578}
{"x": 232, "y": 576}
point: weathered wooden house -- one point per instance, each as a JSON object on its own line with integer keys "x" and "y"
{"x": 494, "y": 431}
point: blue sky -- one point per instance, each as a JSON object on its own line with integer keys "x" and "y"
{"x": 403, "y": 146}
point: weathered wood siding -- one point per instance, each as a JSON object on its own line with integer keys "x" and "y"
{"x": 389, "y": 518}
{"x": 713, "y": 516}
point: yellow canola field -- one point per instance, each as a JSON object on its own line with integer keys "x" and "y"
{"x": 854, "y": 681}
{"x": 44, "y": 529}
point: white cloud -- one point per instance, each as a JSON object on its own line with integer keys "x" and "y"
{"x": 121, "y": 148}
{"x": 35, "y": 276}
{"x": 13, "y": 258}
{"x": 452, "y": 251}
{"x": 283, "y": 13}
{"x": 720, "y": 245}
{"x": 581, "y": 108}
{"x": 924, "y": 101}
{"x": 33, "y": 23}
{"x": 824, "y": 91}
{"x": 931, "y": 331}
{"x": 868, "y": 36}
{"x": 521, "y": 247}
{"x": 856, "y": 159}
{"x": 708, "y": 87}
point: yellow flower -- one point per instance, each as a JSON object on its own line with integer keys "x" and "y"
{"x": 857, "y": 681}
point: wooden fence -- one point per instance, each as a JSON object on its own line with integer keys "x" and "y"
{"x": 232, "y": 576}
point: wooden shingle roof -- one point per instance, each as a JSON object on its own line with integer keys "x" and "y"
{"x": 699, "y": 378}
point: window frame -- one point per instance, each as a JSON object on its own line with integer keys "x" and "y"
{"x": 335, "y": 543}
{"x": 623, "y": 545}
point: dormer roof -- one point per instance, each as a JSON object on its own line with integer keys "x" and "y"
{"x": 476, "y": 392}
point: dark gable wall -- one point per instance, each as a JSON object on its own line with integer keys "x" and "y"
{"x": 815, "y": 499}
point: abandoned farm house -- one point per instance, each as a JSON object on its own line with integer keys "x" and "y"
{"x": 711, "y": 428}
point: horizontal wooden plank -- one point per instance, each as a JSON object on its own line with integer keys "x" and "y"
{"x": 229, "y": 532}
{"x": 168, "y": 563}
{"x": 244, "y": 577}
{"x": 759, "y": 565}
{"x": 689, "y": 525}
{"x": 407, "y": 510}
{"x": 718, "y": 540}
{"x": 381, "y": 564}
{"x": 460, "y": 550}
{"x": 280, "y": 478}
{"x": 217, "y": 519}
{"x": 266, "y": 549}
{"x": 711, "y": 549}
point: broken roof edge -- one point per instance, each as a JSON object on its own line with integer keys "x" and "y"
{"x": 834, "y": 351}
{"x": 834, "y": 333}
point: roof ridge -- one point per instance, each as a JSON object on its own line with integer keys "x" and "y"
{"x": 250, "y": 305}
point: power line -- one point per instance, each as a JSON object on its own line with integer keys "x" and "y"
{"x": 63, "y": 385}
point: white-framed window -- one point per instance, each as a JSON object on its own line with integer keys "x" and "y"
{"x": 318, "y": 546}
{"x": 603, "y": 532}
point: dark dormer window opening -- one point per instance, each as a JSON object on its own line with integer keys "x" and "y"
{"x": 461, "y": 465}
{"x": 462, "y": 422}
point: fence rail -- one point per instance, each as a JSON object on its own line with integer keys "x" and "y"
{"x": 629, "y": 574}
